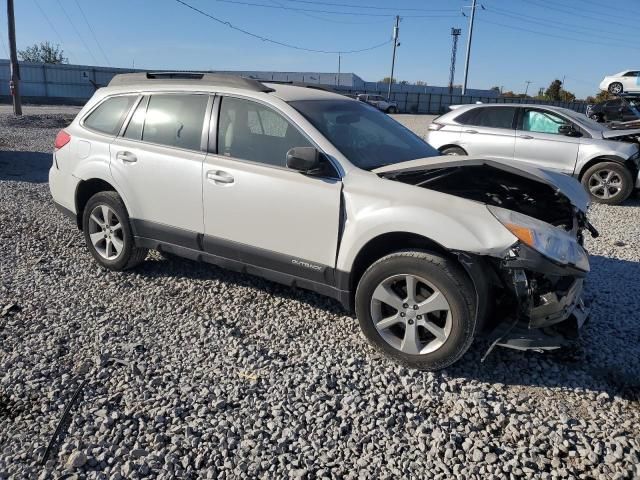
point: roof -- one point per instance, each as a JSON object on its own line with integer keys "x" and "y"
{"x": 193, "y": 78}
{"x": 217, "y": 82}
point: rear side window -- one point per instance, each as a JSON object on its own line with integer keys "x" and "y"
{"x": 109, "y": 115}
{"x": 173, "y": 120}
{"x": 494, "y": 117}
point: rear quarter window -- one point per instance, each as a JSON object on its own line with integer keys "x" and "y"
{"x": 108, "y": 116}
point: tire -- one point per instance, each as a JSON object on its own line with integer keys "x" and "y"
{"x": 610, "y": 183}
{"x": 453, "y": 151}
{"x": 615, "y": 88}
{"x": 597, "y": 117}
{"x": 110, "y": 207}
{"x": 443, "y": 334}
{"x": 392, "y": 110}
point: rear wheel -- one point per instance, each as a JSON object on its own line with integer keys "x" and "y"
{"x": 417, "y": 308}
{"x": 608, "y": 182}
{"x": 615, "y": 88}
{"x": 392, "y": 110}
{"x": 453, "y": 151}
{"x": 107, "y": 232}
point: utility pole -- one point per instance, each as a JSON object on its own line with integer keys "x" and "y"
{"x": 338, "y": 80}
{"x": 396, "y": 31}
{"x": 466, "y": 60}
{"x": 14, "y": 86}
{"x": 455, "y": 33}
{"x": 527, "y": 88}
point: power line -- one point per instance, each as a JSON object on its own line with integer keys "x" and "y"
{"x": 545, "y": 23}
{"x": 93, "y": 33}
{"x": 334, "y": 12}
{"x": 73, "y": 25}
{"x": 333, "y": 20}
{"x": 46, "y": 17}
{"x": 371, "y": 7}
{"x": 574, "y": 13}
{"x": 276, "y": 42}
{"x": 562, "y": 37}
{"x": 608, "y": 10}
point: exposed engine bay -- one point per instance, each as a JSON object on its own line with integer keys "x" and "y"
{"x": 495, "y": 186}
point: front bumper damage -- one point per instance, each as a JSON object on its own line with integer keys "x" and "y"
{"x": 542, "y": 301}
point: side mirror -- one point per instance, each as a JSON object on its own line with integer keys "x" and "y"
{"x": 568, "y": 130}
{"x": 303, "y": 159}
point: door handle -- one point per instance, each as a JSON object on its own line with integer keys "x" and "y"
{"x": 126, "y": 157}
{"x": 525, "y": 137}
{"x": 218, "y": 176}
{"x": 470, "y": 131}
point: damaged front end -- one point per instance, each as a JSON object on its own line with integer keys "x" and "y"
{"x": 542, "y": 301}
{"x": 535, "y": 286}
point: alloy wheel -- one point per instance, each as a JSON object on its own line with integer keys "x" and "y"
{"x": 411, "y": 314}
{"x": 105, "y": 232}
{"x": 605, "y": 184}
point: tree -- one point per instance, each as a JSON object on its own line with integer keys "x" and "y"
{"x": 421, "y": 83}
{"x": 496, "y": 89}
{"x": 601, "y": 96}
{"x": 43, "y": 52}
{"x": 387, "y": 80}
{"x": 554, "y": 90}
{"x": 556, "y": 93}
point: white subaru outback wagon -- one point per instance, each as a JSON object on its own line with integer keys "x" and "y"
{"x": 315, "y": 190}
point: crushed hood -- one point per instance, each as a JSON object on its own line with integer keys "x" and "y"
{"x": 548, "y": 196}
{"x": 621, "y": 132}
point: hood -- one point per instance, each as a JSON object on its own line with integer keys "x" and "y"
{"x": 548, "y": 196}
{"x": 612, "y": 134}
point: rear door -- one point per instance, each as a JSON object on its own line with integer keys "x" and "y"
{"x": 538, "y": 142}
{"x": 488, "y": 131}
{"x": 157, "y": 163}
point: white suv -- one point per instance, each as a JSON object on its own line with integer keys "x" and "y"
{"x": 319, "y": 191}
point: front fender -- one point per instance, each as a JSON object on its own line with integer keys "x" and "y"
{"x": 452, "y": 222}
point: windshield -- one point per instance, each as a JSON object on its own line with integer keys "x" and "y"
{"x": 367, "y": 137}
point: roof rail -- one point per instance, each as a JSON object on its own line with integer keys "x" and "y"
{"x": 199, "y": 78}
{"x": 315, "y": 86}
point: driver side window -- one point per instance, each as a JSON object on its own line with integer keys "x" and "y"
{"x": 541, "y": 122}
{"x": 252, "y": 131}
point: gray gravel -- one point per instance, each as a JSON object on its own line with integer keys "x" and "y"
{"x": 222, "y": 375}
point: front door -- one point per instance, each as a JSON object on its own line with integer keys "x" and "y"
{"x": 256, "y": 209}
{"x": 157, "y": 164}
{"x": 539, "y": 143}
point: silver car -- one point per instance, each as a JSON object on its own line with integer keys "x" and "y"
{"x": 606, "y": 161}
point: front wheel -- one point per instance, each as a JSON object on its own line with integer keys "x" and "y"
{"x": 608, "y": 182}
{"x": 417, "y": 308}
{"x": 615, "y": 88}
{"x": 453, "y": 151}
{"x": 392, "y": 110}
{"x": 107, "y": 232}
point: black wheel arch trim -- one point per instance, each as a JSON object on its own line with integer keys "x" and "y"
{"x": 607, "y": 158}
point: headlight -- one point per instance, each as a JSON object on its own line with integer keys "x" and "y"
{"x": 552, "y": 242}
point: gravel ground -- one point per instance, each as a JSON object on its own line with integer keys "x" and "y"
{"x": 222, "y": 375}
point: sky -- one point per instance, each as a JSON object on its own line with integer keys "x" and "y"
{"x": 514, "y": 41}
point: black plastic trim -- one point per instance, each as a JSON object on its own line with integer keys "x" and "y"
{"x": 243, "y": 258}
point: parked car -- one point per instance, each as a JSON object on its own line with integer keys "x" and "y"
{"x": 319, "y": 191}
{"x": 379, "y": 102}
{"x": 606, "y": 161}
{"x": 625, "y": 81}
{"x": 620, "y": 109}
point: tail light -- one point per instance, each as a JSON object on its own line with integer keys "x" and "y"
{"x": 435, "y": 126}
{"x": 61, "y": 139}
